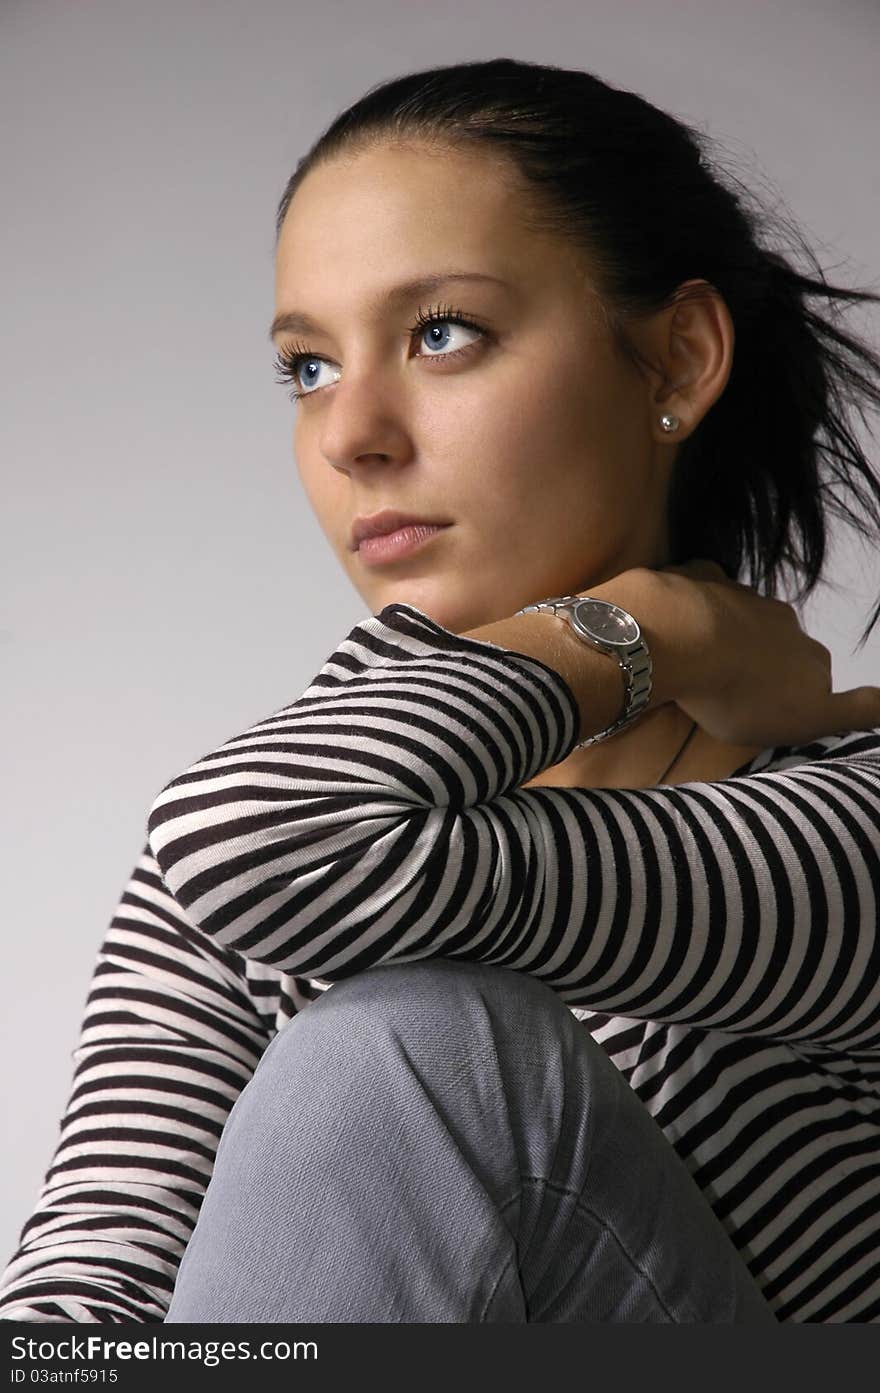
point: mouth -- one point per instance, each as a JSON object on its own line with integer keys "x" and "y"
{"x": 384, "y": 523}
{"x": 393, "y": 546}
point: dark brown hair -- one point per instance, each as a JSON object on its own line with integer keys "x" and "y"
{"x": 634, "y": 187}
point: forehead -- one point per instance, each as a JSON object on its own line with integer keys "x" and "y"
{"x": 396, "y": 211}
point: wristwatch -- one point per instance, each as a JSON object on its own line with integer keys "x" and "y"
{"x": 614, "y": 631}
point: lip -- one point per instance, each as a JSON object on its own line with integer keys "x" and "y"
{"x": 387, "y": 521}
{"x": 400, "y": 544}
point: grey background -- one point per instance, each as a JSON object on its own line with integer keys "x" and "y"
{"x": 164, "y": 583}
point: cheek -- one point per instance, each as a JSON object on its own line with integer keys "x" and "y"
{"x": 586, "y": 434}
{"x": 322, "y": 488}
{"x": 542, "y": 434}
{"x": 558, "y": 458}
{"x": 311, "y": 470}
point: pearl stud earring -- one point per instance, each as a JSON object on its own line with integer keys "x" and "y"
{"x": 669, "y": 422}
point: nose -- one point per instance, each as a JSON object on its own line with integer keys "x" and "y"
{"x": 365, "y": 423}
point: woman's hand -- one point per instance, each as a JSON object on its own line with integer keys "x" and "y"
{"x": 740, "y": 664}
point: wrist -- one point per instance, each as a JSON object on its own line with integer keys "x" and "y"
{"x": 671, "y": 612}
{"x": 595, "y": 680}
{"x": 668, "y": 611}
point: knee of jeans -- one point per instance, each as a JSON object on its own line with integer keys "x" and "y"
{"x": 419, "y": 1002}
{"x": 400, "y": 993}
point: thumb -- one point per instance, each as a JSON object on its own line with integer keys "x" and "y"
{"x": 700, "y": 568}
{"x": 857, "y": 709}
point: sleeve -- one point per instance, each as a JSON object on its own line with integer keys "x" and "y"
{"x": 169, "y": 1038}
{"x": 379, "y": 819}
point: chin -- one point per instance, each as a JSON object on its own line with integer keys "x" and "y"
{"x": 431, "y": 595}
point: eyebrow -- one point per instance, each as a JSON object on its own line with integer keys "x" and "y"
{"x": 293, "y": 321}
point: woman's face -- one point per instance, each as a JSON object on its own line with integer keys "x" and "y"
{"x": 535, "y": 439}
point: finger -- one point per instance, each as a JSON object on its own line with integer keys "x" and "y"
{"x": 857, "y": 709}
{"x": 701, "y": 568}
{"x": 714, "y": 569}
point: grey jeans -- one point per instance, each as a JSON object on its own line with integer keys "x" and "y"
{"x": 445, "y": 1141}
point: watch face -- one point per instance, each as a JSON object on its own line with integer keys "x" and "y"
{"x": 607, "y": 622}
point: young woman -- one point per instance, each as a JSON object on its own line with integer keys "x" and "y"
{"x": 528, "y": 961}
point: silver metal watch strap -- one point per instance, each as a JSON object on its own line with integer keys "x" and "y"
{"x": 634, "y": 661}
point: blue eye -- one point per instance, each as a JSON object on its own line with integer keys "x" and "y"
{"x": 289, "y": 362}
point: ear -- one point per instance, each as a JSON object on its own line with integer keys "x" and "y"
{"x": 691, "y": 346}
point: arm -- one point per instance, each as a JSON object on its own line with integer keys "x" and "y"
{"x": 170, "y": 1036}
{"x": 379, "y": 818}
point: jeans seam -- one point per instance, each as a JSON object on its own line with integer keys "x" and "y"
{"x": 585, "y": 1208}
{"x": 499, "y": 1279}
{"x": 550, "y": 1184}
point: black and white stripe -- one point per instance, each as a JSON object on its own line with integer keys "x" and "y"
{"x": 721, "y": 940}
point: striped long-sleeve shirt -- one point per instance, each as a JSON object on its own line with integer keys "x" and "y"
{"x": 721, "y": 940}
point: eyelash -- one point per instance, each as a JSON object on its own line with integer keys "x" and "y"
{"x": 289, "y": 360}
